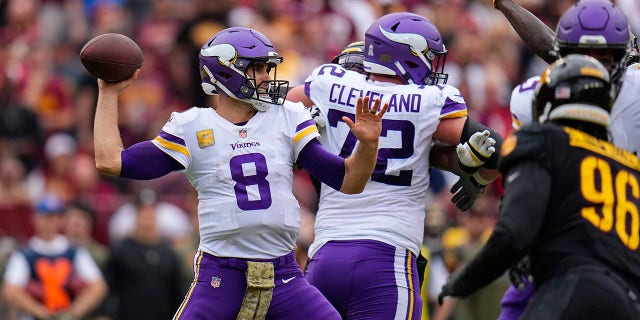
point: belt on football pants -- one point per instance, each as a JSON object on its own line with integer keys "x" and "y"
{"x": 257, "y": 298}
{"x": 260, "y": 274}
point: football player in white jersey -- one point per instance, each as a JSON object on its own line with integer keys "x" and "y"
{"x": 239, "y": 155}
{"x": 594, "y": 27}
{"x": 363, "y": 258}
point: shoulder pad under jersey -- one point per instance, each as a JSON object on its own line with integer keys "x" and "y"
{"x": 526, "y": 144}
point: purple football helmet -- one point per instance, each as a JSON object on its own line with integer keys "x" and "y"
{"x": 407, "y": 45}
{"x": 225, "y": 58}
{"x": 594, "y": 24}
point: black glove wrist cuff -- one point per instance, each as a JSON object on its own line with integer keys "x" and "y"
{"x": 476, "y": 183}
{"x": 467, "y": 169}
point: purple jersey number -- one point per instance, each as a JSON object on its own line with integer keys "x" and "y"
{"x": 407, "y": 132}
{"x": 257, "y": 178}
{"x": 333, "y": 70}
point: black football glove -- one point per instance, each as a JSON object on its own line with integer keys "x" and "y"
{"x": 465, "y": 192}
{"x": 520, "y": 274}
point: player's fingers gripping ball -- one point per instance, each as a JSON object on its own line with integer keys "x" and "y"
{"x": 477, "y": 150}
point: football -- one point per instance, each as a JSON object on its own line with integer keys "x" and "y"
{"x": 111, "y": 56}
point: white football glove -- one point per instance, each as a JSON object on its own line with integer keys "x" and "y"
{"x": 475, "y": 152}
{"x": 316, "y": 115}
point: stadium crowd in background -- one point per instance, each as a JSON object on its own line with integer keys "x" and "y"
{"x": 47, "y": 99}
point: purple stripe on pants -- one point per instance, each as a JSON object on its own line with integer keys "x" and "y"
{"x": 366, "y": 279}
{"x": 220, "y": 284}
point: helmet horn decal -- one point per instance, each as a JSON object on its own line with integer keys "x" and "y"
{"x": 417, "y": 43}
{"x": 225, "y": 52}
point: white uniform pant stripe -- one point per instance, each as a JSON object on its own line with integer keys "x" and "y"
{"x": 405, "y": 295}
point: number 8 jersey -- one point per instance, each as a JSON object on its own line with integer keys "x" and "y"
{"x": 243, "y": 176}
{"x": 391, "y": 207}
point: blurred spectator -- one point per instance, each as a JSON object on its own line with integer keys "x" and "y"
{"x": 79, "y": 224}
{"x": 172, "y": 222}
{"x": 15, "y": 203}
{"x": 49, "y": 276}
{"x": 97, "y": 192}
{"x": 478, "y": 223}
{"x": 211, "y": 17}
{"x": 7, "y": 245}
{"x": 54, "y": 176}
{"x": 434, "y": 225}
{"x": 143, "y": 272}
{"x": 20, "y": 131}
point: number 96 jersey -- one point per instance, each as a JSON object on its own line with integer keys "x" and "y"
{"x": 243, "y": 176}
{"x": 391, "y": 207}
{"x": 592, "y": 213}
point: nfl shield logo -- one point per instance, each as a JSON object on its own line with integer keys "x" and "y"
{"x": 242, "y": 133}
{"x": 215, "y": 282}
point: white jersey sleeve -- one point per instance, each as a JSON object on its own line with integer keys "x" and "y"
{"x": 401, "y": 176}
{"x": 522, "y": 101}
{"x": 243, "y": 176}
{"x": 624, "y": 125}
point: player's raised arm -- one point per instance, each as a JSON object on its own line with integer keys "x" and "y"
{"x": 535, "y": 34}
{"x": 367, "y": 128}
{"x": 106, "y": 135}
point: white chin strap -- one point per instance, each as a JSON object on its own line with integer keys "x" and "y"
{"x": 581, "y": 112}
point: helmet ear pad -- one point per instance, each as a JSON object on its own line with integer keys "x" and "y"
{"x": 575, "y": 87}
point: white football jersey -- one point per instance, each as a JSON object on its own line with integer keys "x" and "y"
{"x": 624, "y": 125}
{"x": 521, "y": 102}
{"x": 391, "y": 207}
{"x": 243, "y": 176}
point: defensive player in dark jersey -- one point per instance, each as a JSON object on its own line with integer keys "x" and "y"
{"x": 571, "y": 203}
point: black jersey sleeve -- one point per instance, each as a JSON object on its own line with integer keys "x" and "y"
{"x": 521, "y": 216}
{"x": 527, "y": 182}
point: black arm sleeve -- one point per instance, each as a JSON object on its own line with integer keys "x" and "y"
{"x": 521, "y": 217}
{"x": 470, "y": 127}
{"x": 535, "y": 33}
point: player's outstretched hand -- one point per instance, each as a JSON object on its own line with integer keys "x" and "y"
{"x": 475, "y": 152}
{"x": 116, "y": 86}
{"x": 368, "y": 121}
{"x": 465, "y": 192}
